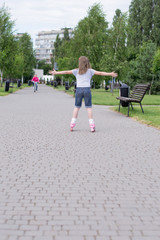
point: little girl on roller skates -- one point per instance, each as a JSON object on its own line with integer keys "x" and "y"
{"x": 83, "y": 78}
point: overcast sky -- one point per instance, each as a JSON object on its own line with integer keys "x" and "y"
{"x": 33, "y": 16}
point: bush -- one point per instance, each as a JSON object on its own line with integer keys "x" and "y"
{"x": 155, "y": 89}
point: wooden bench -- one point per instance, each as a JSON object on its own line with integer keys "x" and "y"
{"x": 136, "y": 96}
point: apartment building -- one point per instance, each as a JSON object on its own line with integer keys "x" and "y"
{"x": 44, "y": 43}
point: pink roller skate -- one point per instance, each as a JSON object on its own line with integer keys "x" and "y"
{"x": 72, "y": 125}
{"x": 92, "y": 126}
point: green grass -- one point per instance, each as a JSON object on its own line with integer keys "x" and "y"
{"x": 102, "y": 97}
{"x": 11, "y": 90}
{"x": 150, "y": 117}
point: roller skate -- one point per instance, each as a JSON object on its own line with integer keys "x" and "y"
{"x": 72, "y": 124}
{"x": 92, "y": 126}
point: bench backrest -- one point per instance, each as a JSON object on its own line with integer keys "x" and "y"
{"x": 139, "y": 91}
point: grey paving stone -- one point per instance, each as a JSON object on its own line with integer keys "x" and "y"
{"x": 62, "y": 185}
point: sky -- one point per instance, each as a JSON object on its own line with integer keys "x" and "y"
{"x": 33, "y": 16}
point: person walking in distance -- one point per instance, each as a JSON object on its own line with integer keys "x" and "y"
{"x": 83, "y": 78}
{"x": 35, "y": 81}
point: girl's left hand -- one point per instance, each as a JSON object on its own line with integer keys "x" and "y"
{"x": 114, "y": 74}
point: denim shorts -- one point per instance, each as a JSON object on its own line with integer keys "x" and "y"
{"x": 83, "y": 92}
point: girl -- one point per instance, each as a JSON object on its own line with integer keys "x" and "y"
{"x": 83, "y": 78}
{"x": 35, "y": 81}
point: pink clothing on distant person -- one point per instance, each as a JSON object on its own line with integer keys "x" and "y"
{"x": 35, "y": 79}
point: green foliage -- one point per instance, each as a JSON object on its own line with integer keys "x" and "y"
{"x": 146, "y": 18}
{"x": 143, "y": 22}
{"x": 6, "y": 40}
{"x": 90, "y": 36}
{"x": 156, "y": 63}
{"x": 145, "y": 60}
{"x": 16, "y": 56}
{"x": 9, "y": 59}
{"x": 26, "y": 49}
{"x": 66, "y": 34}
{"x": 18, "y": 66}
{"x": 156, "y": 71}
{"x": 46, "y": 67}
{"x": 156, "y": 87}
{"x": 66, "y": 63}
{"x": 116, "y": 50}
{"x": 140, "y": 68}
{"x": 156, "y": 22}
{"x": 57, "y": 48}
{"x": 134, "y": 39}
{"x": 62, "y": 46}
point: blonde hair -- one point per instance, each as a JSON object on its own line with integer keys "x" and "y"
{"x": 84, "y": 65}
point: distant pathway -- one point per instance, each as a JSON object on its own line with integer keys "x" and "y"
{"x": 62, "y": 185}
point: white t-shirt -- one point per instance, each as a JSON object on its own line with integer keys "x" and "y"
{"x": 83, "y": 80}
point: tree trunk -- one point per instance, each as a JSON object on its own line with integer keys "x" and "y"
{"x": 1, "y": 79}
{"x": 22, "y": 79}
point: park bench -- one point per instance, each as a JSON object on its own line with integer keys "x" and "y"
{"x": 136, "y": 96}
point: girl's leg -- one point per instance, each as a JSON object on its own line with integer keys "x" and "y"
{"x": 90, "y": 113}
{"x": 74, "y": 117}
{"x": 90, "y": 118}
{"x": 75, "y": 112}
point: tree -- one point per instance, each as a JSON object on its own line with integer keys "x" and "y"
{"x": 57, "y": 47}
{"x": 145, "y": 61}
{"x": 116, "y": 50}
{"x": 62, "y": 52}
{"x": 90, "y": 36}
{"x": 26, "y": 49}
{"x": 144, "y": 22}
{"x": 6, "y": 39}
{"x": 156, "y": 63}
{"x": 18, "y": 66}
{"x": 141, "y": 67}
{"x": 11, "y": 51}
{"x": 156, "y": 22}
{"x": 146, "y": 19}
{"x": 156, "y": 71}
{"x": 66, "y": 34}
{"x": 46, "y": 67}
{"x": 134, "y": 26}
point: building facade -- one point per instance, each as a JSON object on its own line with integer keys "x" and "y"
{"x": 44, "y": 43}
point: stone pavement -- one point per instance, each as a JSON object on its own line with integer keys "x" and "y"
{"x": 62, "y": 185}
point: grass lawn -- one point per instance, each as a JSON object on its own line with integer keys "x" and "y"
{"x": 150, "y": 117}
{"x": 3, "y": 93}
{"x": 150, "y": 103}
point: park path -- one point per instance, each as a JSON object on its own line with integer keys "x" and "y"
{"x": 62, "y": 185}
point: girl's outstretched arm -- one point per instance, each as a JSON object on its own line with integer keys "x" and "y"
{"x": 112, "y": 74}
{"x": 54, "y": 72}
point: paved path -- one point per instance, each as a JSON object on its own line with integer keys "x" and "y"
{"x": 62, "y": 185}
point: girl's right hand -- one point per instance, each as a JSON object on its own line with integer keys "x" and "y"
{"x": 52, "y": 72}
